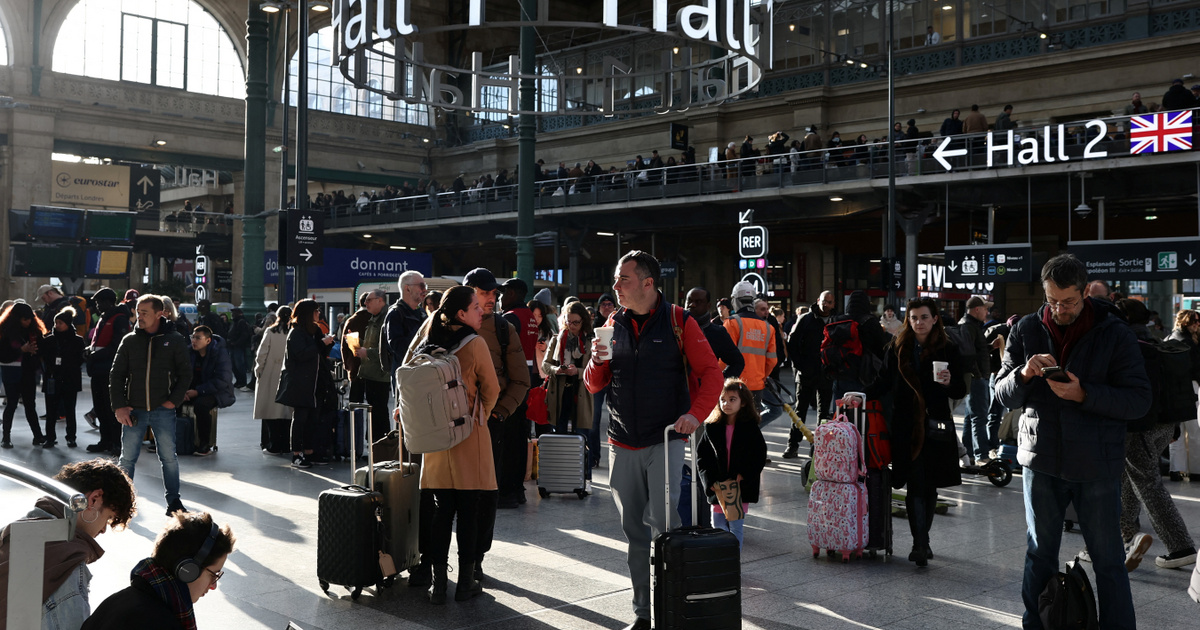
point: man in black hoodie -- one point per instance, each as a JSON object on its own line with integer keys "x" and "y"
{"x": 150, "y": 376}
{"x": 699, "y": 305}
{"x": 112, "y": 327}
{"x": 804, "y": 351}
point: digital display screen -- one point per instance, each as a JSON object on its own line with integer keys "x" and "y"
{"x": 106, "y": 263}
{"x": 55, "y": 224}
{"x": 44, "y": 260}
{"x": 110, "y": 228}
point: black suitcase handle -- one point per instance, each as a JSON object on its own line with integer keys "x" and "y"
{"x": 352, "y": 407}
{"x": 667, "y": 470}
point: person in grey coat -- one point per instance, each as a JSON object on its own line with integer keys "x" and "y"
{"x": 276, "y": 418}
{"x": 1071, "y": 439}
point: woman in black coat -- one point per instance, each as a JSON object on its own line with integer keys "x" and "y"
{"x": 20, "y": 333}
{"x": 304, "y": 379}
{"x": 61, "y": 351}
{"x": 924, "y": 444}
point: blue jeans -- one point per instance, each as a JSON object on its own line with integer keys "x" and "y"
{"x": 162, "y": 421}
{"x": 1098, "y": 504}
{"x": 735, "y": 527}
{"x": 975, "y": 424}
{"x": 237, "y": 359}
{"x": 995, "y": 415}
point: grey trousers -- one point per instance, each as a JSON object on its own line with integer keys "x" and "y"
{"x": 1142, "y": 482}
{"x": 636, "y": 480}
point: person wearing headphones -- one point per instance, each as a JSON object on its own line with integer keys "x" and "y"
{"x": 188, "y": 559}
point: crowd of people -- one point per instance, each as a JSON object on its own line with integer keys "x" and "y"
{"x": 1077, "y": 370}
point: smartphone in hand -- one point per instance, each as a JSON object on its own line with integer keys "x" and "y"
{"x": 1056, "y": 373}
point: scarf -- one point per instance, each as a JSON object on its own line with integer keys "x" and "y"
{"x": 1065, "y": 337}
{"x": 172, "y": 591}
{"x": 568, "y": 352}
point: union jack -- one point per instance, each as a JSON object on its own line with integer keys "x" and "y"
{"x": 1156, "y": 133}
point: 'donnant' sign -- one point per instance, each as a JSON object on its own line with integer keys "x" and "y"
{"x": 741, "y": 28}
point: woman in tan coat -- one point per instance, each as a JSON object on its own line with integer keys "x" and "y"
{"x": 458, "y": 476}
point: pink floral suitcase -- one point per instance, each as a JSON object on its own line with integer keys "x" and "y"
{"x": 837, "y": 518}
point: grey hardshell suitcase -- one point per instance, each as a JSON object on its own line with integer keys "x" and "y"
{"x": 562, "y": 458}
{"x": 399, "y": 484}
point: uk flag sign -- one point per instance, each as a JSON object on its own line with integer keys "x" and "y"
{"x": 1157, "y": 133}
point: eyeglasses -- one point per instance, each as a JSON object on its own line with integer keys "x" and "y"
{"x": 1065, "y": 305}
{"x": 574, "y": 322}
{"x": 216, "y": 575}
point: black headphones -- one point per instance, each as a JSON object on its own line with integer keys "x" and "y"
{"x": 189, "y": 569}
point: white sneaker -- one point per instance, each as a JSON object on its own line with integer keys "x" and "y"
{"x": 1194, "y": 589}
{"x": 993, "y": 454}
{"x": 1135, "y": 549}
{"x": 1084, "y": 556}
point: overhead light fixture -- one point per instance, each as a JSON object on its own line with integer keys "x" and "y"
{"x": 320, "y": 6}
{"x": 366, "y": 236}
{"x": 1151, "y": 217}
{"x": 424, "y": 139}
{"x": 271, "y": 7}
{"x": 863, "y": 64}
{"x": 675, "y": 50}
{"x": 396, "y": 247}
{"x": 1043, "y": 36}
{"x": 1083, "y": 210}
{"x": 835, "y": 198}
{"x": 948, "y": 7}
{"x": 849, "y": 62}
{"x": 791, "y": 27}
{"x": 160, "y": 142}
{"x": 579, "y": 70}
{"x": 605, "y": 234}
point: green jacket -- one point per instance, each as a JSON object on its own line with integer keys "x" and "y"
{"x": 150, "y": 369}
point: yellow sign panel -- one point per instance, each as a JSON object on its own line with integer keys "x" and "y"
{"x": 113, "y": 263}
{"x": 89, "y": 185}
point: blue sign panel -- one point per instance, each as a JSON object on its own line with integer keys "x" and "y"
{"x": 348, "y": 267}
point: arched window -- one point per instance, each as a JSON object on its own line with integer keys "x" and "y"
{"x": 329, "y": 91}
{"x": 170, "y": 43}
{"x": 3, "y": 48}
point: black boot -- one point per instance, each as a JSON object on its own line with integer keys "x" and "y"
{"x": 479, "y": 570}
{"x": 467, "y": 586}
{"x": 437, "y": 592}
{"x": 420, "y": 575}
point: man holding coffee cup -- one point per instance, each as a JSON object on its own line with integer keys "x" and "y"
{"x": 1072, "y": 435}
{"x": 660, "y": 377}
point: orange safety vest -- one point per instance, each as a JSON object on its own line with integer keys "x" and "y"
{"x": 755, "y": 339}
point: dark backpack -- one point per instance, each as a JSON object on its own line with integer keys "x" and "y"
{"x": 843, "y": 355}
{"x": 1169, "y": 368}
{"x": 1068, "y": 602}
{"x": 964, "y": 341}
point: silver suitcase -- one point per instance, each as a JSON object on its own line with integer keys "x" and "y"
{"x": 561, "y": 461}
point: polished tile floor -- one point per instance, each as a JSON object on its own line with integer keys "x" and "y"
{"x": 560, "y": 562}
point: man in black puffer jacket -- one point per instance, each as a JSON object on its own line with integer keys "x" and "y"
{"x": 1072, "y": 433}
{"x": 150, "y": 376}
{"x": 804, "y": 351}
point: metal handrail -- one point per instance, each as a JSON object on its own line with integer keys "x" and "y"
{"x": 27, "y": 549}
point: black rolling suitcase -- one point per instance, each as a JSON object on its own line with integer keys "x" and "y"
{"x": 697, "y": 573}
{"x": 879, "y": 511}
{"x": 350, "y": 535}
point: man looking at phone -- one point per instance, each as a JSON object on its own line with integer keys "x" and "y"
{"x": 1072, "y": 435}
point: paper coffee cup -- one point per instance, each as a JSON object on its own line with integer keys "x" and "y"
{"x": 938, "y": 366}
{"x": 604, "y": 335}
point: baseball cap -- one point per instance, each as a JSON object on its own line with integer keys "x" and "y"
{"x": 1196, "y": 87}
{"x": 42, "y": 291}
{"x": 742, "y": 289}
{"x": 976, "y": 300}
{"x": 480, "y": 278}
{"x": 517, "y": 285}
{"x": 1177, "y": 81}
{"x": 132, "y": 294}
